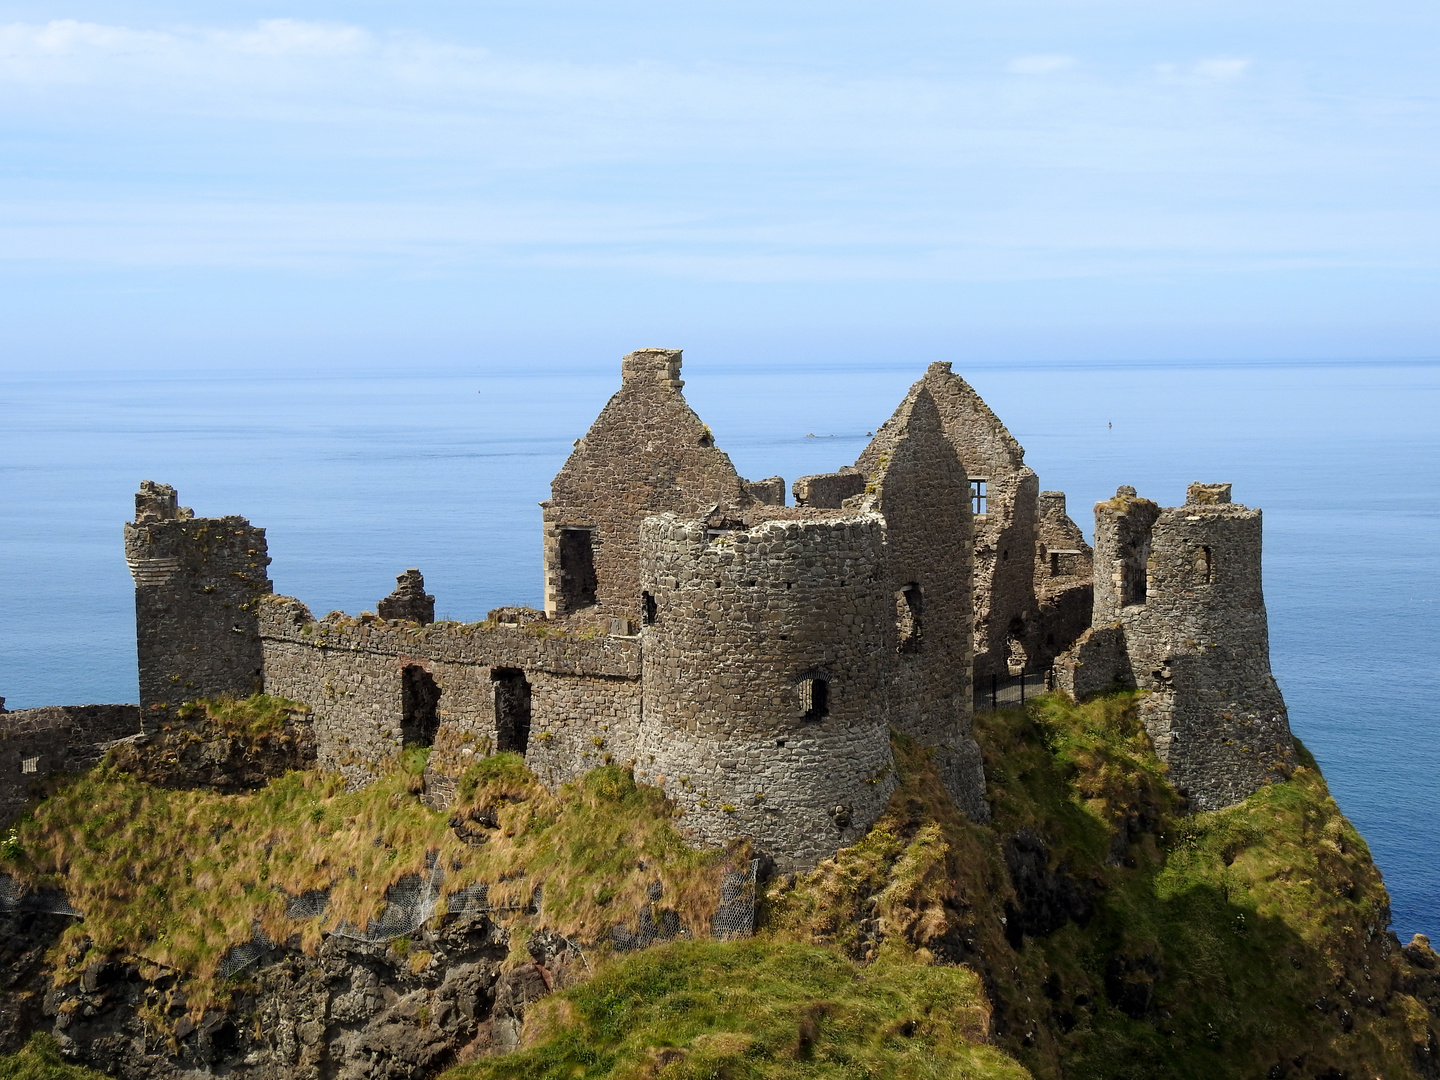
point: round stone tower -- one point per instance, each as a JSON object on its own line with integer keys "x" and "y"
{"x": 767, "y": 655}
{"x": 1201, "y": 647}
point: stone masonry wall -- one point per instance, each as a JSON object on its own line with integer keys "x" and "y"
{"x": 36, "y": 743}
{"x": 197, "y": 583}
{"x": 828, "y": 490}
{"x": 921, "y": 489}
{"x": 1006, "y": 629}
{"x": 1202, "y": 649}
{"x": 746, "y": 622}
{"x": 1064, "y": 569}
{"x": 646, "y": 453}
{"x": 1181, "y": 587}
{"x": 349, "y": 671}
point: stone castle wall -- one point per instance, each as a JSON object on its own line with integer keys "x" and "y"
{"x": 1005, "y": 623}
{"x": 583, "y": 689}
{"x": 767, "y": 667}
{"x": 197, "y": 583}
{"x": 646, "y": 453}
{"x": 921, "y": 489}
{"x": 1180, "y": 614}
{"x": 37, "y": 743}
{"x": 1064, "y": 572}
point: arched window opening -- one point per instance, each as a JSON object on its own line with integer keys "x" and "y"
{"x": 1204, "y": 566}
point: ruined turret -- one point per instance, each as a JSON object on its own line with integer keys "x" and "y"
{"x": 197, "y": 581}
{"x": 409, "y": 600}
{"x": 1180, "y": 614}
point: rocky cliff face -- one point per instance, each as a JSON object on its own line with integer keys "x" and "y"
{"x": 1114, "y": 933}
{"x": 354, "y": 1011}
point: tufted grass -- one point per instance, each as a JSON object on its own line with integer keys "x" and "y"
{"x": 40, "y": 1059}
{"x": 178, "y": 877}
{"x": 763, "y": 1009}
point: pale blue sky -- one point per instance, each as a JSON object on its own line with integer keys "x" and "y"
{"x": 302, "y": 183}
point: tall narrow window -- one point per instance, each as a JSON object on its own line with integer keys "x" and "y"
{"x": 814, "y": 698}
{"x": 1204, "y": 566}
{"x": 977, "y": 496}
{"x": 908, "y": 602}
{"x": 419, "y": 701}
{"x": 648, "y": 608}
{"x": 512, "y": 710}
{"x": 1134, "y": 571}
{"x": 577, "y": 568}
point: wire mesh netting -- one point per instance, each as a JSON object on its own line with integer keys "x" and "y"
{"x": 310, "y": 904}
{"x": 244, "y": 955}
{"x": 409, "y": 904}
{"x": 15, "y": 896}
{"x": 735, "y": 918}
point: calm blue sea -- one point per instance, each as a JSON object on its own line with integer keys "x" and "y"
{"x": 357, "y": 477}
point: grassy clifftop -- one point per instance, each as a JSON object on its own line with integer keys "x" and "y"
{"x": 1093, "y": 930}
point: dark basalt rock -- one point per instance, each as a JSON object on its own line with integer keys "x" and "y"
{"x": 1045, "y": 899}
{"x": 355, "y": 1011}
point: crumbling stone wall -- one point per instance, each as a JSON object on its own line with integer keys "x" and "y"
{"x": 409, "y": 600}
{"x": 351, "y": 672}
{"x": 1006, "y": 628}
{"x": 828, "y": 490}
{"x": 37, "y": 743}
{"x": 920, "y": 487}
{"x": 1064, "y": 568}
{"x": 197, "y": 583}
{"x": 767, "y": 492}
{"x": 1181, "y": 587}
{"x": 646, "y": 453}
{"x": 767, "y": 666}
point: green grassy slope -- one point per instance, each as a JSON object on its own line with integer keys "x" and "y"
{"x": 1092, "y": 930}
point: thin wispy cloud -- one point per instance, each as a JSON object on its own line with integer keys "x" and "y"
{"x": 307, "y": 144}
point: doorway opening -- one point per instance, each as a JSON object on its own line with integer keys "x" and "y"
{"x": 512, "y": 710}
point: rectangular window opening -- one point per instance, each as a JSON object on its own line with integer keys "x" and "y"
{"x": 814, "y": 699}
{"x": 419, "y": 706}
{"x": 30, "y": 765}
{"x": 578, "y": 584}
{"x": 978, "y": 497}
{"x": 512, "y": 711}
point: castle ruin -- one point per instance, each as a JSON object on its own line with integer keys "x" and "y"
{"x": 750, "y": 658}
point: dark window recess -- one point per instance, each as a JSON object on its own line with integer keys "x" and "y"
{"x": 577, "y": 568}
{"x": 814, "y": 698}
{"x": 1204, "y": 566}
{"x": 419, "y": 697}
{"x": 648, "y": 608}
{"x": 977, "y": 496}
{"x": 512, "y": 710}
{"x": 1133, "y": 573}
{"x": 908, "y": 602}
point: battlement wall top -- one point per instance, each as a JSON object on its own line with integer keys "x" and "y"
{"x": 531, "y": 645}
